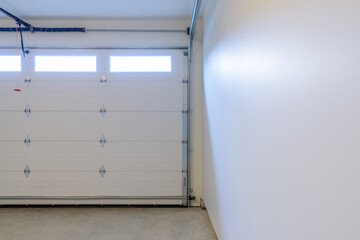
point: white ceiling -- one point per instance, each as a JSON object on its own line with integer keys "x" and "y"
{"x": 99, "y": 8}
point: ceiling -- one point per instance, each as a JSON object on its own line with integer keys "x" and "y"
{"x": 99, "y": 8}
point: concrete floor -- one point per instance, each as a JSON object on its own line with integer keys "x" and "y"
{"x": 105, "y": 224}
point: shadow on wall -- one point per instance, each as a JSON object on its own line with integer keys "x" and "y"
{"x": 211, "y": 188}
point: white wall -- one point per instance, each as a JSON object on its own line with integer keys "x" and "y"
{"x": 281, "y": 119}
{"x": 196, "y": 143}
{"x": 101, "y": 39}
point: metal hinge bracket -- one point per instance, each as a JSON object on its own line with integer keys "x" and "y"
{"x": 103, "y": 81}
{"x": 103, "y": 111}
{"x": 27, "y": 171}
{"x": 27, "y": 111}
{"x": 192, "y": 198}
{"x": 27, "y": 141}
{"x": 27, "y": 80}
{"x": 102, "y": 171}
{"x": 103, "y": 141}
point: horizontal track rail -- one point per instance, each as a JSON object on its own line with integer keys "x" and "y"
{"x": 83, "y": 30}
{"x": 98, "y": 48}
{"x": 92, "y": 198}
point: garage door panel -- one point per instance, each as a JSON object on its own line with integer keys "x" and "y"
{"x": 90, "y": 95}
{"x": 150, "y": 156}
{"x": 9, "y": 99}
{"x": 54, "y": 165}
{"x": 51, "y": 95}
{"x": 144, "y": 95}
{"x": 73, "y": 94}
{"x": 39, "y": 78}
{"x": 90, "y": 126}
{"x": 143, "y": 128}
{"x": 91, "y": 184}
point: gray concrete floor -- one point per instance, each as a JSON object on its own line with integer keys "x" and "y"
{"x": 105, "y": 224}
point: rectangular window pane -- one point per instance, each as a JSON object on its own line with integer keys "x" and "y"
{"x": 65, "y": 63}
{"x": 140, "y": 64}
{"x": 10, "y": 63}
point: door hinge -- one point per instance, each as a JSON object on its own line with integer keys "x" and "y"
{"x": 103, "y": 141}
{"x": 27, "y": 80}
{"x": 103, "y": 111}
{"x": 27, "y": 141}
{"x": 27, "y": 171}
{"x": 103, "y": 81}
{"x": 27, "y": 111}
{"x": 102, "y": 171}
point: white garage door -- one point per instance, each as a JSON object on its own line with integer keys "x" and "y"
{"x": 107, "y": 136}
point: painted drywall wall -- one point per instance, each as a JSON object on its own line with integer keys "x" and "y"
{"x": 196, "y": 116}
{"x": 133, "y": 40}
{"x": 281, "y": 119}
